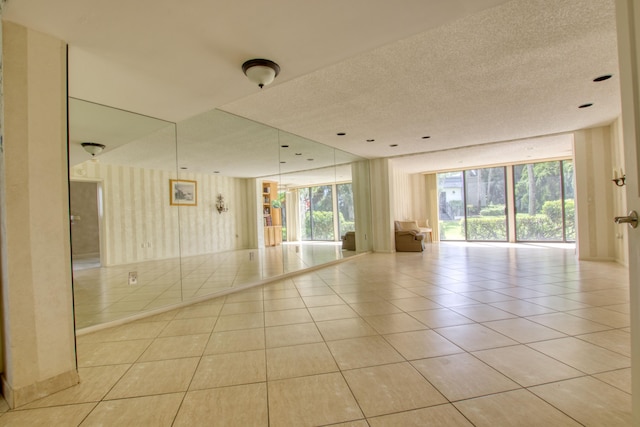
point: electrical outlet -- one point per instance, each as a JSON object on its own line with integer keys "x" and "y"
{"x": 133, "y": 278}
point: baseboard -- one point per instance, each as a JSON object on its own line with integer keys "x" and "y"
{"x": 17, "y": 397}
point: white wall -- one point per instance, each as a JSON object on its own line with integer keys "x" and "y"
{"x": 140, "y": 224}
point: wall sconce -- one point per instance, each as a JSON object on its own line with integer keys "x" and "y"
{"x": 220, "y": 204}
{"x": 619, "y": 181}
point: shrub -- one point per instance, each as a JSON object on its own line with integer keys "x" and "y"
{"x": 493, "y": 210}
{"x": 537, "y": 227}
{"x": 486, "y": 228}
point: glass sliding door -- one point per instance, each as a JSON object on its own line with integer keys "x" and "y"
{"x": 568, "y": 182}
{"x": 322, "y": 213}
{"x": 346, "y": 211}
{"x": 486, "y": 204}
{"x": 304, "y": 201}
{"x": 541, "y": 209}
{"x": 451, "y": 218}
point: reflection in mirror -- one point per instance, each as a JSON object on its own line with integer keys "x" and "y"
{"x": 210, "y": 205}
{"x": 125, "y": 241}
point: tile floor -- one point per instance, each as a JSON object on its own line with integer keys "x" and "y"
{"x": 460, "y": 335}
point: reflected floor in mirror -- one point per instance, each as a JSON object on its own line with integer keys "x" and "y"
{"x": 103, "y": 294}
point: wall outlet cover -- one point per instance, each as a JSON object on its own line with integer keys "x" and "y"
{"x": 133, "y": 277}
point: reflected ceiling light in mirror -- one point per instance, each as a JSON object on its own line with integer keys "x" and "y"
{"x": 92, "y": 148}
{"x": 260, "y": 71}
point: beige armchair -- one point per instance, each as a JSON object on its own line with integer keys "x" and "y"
{"x": 409, "y": 238}
{"x": 349, "y": 241}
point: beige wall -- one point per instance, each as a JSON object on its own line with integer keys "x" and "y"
{"x": 362, "y": 205}
{"x": 619, "y": 195}
{"x": 37, "y": 310}
{"x": 140, "y": 224}
{"x": 595, "y": 194}
{"x": 382, "y": 209}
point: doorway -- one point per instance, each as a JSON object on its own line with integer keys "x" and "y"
{"x": 84, "y": 197}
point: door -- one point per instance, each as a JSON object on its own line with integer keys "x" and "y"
{"x": 628, "y": 23}
{"x": 85, "y": 224}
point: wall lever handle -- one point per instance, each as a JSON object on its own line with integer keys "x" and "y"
{"x": 631, "y": 219}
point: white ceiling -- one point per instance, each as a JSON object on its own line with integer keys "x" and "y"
{"x": 464, "y": 72}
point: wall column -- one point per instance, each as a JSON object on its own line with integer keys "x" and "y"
{"x": 594, "y": 195}
{"x": 37, "y": 295}
{"x": 382, "y": 197}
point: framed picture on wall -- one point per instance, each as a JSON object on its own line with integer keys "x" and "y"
{"x": 183, "y": 192}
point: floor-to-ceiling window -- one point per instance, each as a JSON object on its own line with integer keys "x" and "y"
{"x": 486, "y": 204}
{"x": 452, "y": 219}
{"x": 346, "y": 212}
{"x": 316, "y": 212}
{"x": 544, "y": 201}
{"x": 472, "y": 203}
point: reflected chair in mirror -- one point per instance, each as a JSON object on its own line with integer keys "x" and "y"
{"x": 409, "y": 238}
{"x": 349, "y": 241}
{"x": 426, "y": 229}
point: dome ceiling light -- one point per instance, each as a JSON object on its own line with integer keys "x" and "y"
{"x": 261, "y": 71}
{"x": 92, "y": 148}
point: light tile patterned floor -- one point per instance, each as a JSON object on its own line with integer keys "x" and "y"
{"x": 460, "y": 335}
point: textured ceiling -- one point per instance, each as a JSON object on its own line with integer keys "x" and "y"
{"x": 464, "y": 72}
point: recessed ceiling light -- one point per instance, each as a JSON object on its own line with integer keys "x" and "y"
{"x": 393, "y": 145}
{"x": 370, "y": 140}
{"x": 426, "y": 137}
{"x": 284, "y": 146}
{"x": 602, "y": 78}
{"x": 341, "y": 133}
{"x": 585, "y": 105}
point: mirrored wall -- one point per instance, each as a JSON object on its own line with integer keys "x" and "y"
{"x": 168, "y": 213}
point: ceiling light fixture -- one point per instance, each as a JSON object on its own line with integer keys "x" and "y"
{"x": 261, "y": 71}
{"x": 92, "y": 148}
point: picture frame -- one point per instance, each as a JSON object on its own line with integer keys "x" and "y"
{"x": 183, "y": 192}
